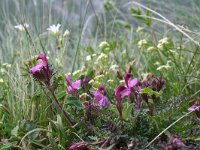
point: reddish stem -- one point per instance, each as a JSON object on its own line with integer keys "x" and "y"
{"x": 61, "y": 108}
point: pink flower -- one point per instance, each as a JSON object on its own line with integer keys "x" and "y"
{"x": 42, "y": 70}
{"x": 72, "y": 86}
{"x": 118, "y": 98}
{"x": 175, "y": 143}
{"x": 196, "y": 109}
{"x": 130, "y": 83}
{"x": 100, "y": 96}
{"x": 41, "y": 65}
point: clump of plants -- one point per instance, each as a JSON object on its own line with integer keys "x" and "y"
{"x": 123, "y": 115}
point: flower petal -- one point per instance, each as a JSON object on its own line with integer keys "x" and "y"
{"x": 102, "y": 89}
{"x": 118, "y": 90}
{"x": 104, "y": 101}
{"x": 76, "y": 84}
{"x": 69, "y": 89}
{"x": 127, "y": 78}
{"x": 37, "y": 68}
{"x": 125, "y": 92}
{"x": 98, "y": 96}
{"x": 133, "y": 82}
{"x": 68, "y": 79}
{"x": 43, "y": 57}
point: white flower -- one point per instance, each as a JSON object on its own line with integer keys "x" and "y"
{"x": 101, "y": 57}
{"x": 99, "y": 76}
{"x": 1, "y": 80}
{"x": 88, "y": 58}
{"x": 122, "y": 81}
{"x": 103, "y": 45}
{"x": 139, "y": 29}
{"x": 142, "y": 43}
{"x": 54, "y": 29}
{"x": 114, "y": 68}
{"x": 165, "y": 67}
{"x": 76, "y": 72}
{"x": 22, "y": 27}
{"x": 66, "y": 33}
{"x": 6, "y": 65}
{"x": 110, "y": 80}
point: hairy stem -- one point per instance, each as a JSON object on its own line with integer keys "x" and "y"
{"x": 60, "y": 107}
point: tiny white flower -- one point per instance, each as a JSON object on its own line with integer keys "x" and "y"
{"x": 103, "y": 45}
{"x": 122, "y": 81}
{"x": 2, "y": 70}
{"x": 114, "y": 67}
{"x": 151, "y": 49}
{"x": 76, "y": 72}
{"x": 66, "y": 33}
{"x": 99, "y": 76}
{"x": 48, "y": 52}
{"x": 94, "y": 55}
{"x": 69, "y": 74}
{"x": 167, "y": 67}
{"x": 54, "y": 29}
{"x": 22, "y": 27}
{"x": 101, "y": 57}
{"x": 110, "y": 80}
{"x": 139, "y": 29}
{"x": 6, "y": 65}
{"x": 84, "y": 94}
{"x": 1, "y": 80}
{"x": 91, "y": 81}
{"x": 142, "y": 43}
{"x": 88, "y": 58}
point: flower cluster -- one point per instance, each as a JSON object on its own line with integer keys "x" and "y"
{"x": 99, "y": 96}
{"x": 133, "y": 89}
{"x": 175, "y": 143}
{"x": 42, "y": 71}
{"x": 72, "y": 86}
{"x": 22, "y": 27}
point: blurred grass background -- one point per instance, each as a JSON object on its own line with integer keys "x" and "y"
{"x": 81, "y": 16}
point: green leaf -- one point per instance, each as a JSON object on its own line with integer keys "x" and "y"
{"x": 61, "y": 95}
{"x": 157, "y": 94}
{"x": 147, "y": 91}
{"x": 73, "y": 101}
{"x": 127, "y": 110}
{"x": 58, "y": 123}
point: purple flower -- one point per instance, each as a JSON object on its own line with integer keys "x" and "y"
{"x": 157, "y": 83}
{"x": 118, "y": 98}
{"x": 42, "y": 70}
{"x": 41, "y": 65}
{"x": 196, "y": 109}
{"x": 100, "y": 96}
{"x": 130, "y": 83}
{"x": 175, "y": 143}
{"x": 72, "y": 86}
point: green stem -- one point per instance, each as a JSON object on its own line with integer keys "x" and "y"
{"x": 60, "y": 107}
